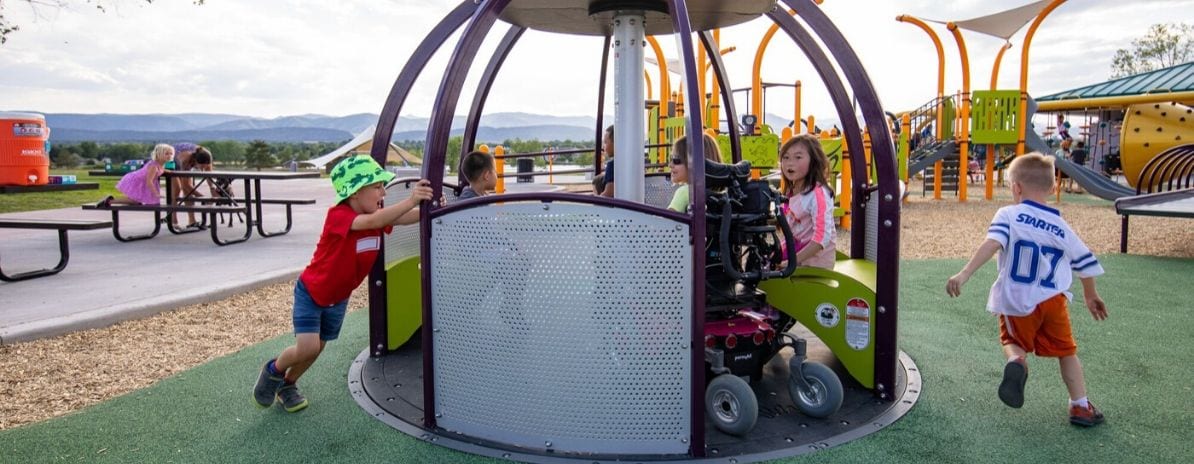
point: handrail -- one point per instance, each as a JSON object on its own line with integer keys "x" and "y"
{"x": 545, "y": 154}
{"x": 550, "y": 197}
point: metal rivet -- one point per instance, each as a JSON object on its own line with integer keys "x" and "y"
{"x": 882, "y": 387}
{"x": 439, "y": 221}
{"x": 547, "y": 444}
{"x": 683, "y": 440}
{"x": 377, "y": 283}
{"x": 882, "y": 310}
{"x": 546, "y": 207}
{"x": 439, "y": 415}
{"x": 887, "y": 223}
{"x": 887, "y": 197}
{"x": 380, "y": 346}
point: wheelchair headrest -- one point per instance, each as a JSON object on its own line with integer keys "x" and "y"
{"x": 719, "y": 176}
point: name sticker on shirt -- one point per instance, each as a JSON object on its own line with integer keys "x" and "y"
{"x": 368, "y": 244}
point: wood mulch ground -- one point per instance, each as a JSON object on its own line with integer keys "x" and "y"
{"x": 52, "y": 377}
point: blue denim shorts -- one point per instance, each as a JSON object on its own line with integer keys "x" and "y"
{"x": 310, "y": 317}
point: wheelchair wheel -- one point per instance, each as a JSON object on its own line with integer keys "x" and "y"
{"x": 731, "y": 404}
{"x": 824, "y": 397}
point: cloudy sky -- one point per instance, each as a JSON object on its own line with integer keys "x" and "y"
{"x": 271, "y": 58}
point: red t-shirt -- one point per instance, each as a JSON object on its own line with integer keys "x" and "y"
{"x": 343, "y": 257}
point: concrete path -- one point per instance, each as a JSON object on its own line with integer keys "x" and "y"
{"x": 108, "y": 281}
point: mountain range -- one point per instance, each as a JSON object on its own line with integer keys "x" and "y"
{"x": 494, "y": 128}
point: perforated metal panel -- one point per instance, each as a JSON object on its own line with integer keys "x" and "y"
{"x": 563, "y": 327}
{"x": 404, "y": 241}
{"x": 658, "y": 191}
{"x": 872, "y": 228}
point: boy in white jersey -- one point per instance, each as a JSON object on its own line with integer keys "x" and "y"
{"x": 1038, "y": 252}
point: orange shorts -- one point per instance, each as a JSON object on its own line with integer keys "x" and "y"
{"x": 1045, "y": 332}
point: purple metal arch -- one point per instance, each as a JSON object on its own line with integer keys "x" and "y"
{"x": 850, "y": 129}
{"x": 378, "y": 336}
{"x": 683, "y": 27}
{"x": 883, "y": 154}
{"x": 433, "y": 169}
{"x": 597, "y": 150}
{"x": 474, "y": 114}
{"x": 719, "y": 68}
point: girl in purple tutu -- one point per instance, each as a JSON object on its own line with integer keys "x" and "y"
{"x": 141, "y": 187}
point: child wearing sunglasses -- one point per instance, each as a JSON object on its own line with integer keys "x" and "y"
{"x": 680, "y": 161}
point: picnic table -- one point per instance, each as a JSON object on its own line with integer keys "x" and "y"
{"x": 62, "y": 226}
{"x": 250, "y": 203}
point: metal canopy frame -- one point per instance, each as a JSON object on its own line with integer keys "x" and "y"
{"x": 481, "y": 16}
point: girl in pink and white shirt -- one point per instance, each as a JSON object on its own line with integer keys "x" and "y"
{"x": 809, "y": 210}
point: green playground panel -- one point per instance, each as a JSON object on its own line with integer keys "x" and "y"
{"x": 901, "y": 156}
{"x": 404, "y": 297}
{"x": 761, "y": 150}
{"x": 993, "y": 116}
{"x": 838, "y": 306}
{"x": 950, "y": 113}
{"x": 833, "y": 151}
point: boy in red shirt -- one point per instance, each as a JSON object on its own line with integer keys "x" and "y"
{"x": 348, "y": 246}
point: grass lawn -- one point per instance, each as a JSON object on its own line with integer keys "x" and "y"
{"x": 18, "y": 202}
{"x": 1137, "y": 370}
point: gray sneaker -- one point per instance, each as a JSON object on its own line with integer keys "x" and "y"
{"x": 291, "y": 399}
{"x": 267, "y": 387}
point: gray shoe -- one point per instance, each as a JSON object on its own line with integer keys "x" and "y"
{"x": 267, "y": 387}
{"x": 291, "y": 399}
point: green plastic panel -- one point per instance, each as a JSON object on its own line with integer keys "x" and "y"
{"x": 993, "y": 116}
{"x": 951, "y": 112}
{"x": 833, "y": 151}
{"x": 404, "y": 296}
{"x": 901, "y": 155}
{"x": 761, "y": 150}
{"x": 837, "y": 306}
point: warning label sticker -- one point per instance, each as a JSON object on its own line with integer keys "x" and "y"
{"x": 828, "y": 315}
{"x": 858, "y": 323}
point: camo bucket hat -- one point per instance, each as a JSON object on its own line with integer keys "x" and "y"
{"x": 355, "y": 172}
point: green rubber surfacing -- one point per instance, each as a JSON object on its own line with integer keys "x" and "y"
{"x": 1137, "y": 370}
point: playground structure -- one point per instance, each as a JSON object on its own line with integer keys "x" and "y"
{"x": 997, "y": 121}
{"x": 546, "y": 325}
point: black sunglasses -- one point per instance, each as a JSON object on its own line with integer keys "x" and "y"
{"x": 677, "y": 160}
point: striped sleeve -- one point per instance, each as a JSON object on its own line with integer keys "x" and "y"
{"x": 1000, "y": 229}
{"x": 822, "y": 214}
{"x": 1084, "y": 262}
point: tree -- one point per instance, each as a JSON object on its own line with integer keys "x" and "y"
{"x": 258, "y": 155}
{"x": 68, "y": 160}
{"x": 89, "y": 150}
{"x": 226, "y": 151}
{"x": 1165, "y": 45}
{"x": 7, "y": 27}
{"x": 453, "y": 155}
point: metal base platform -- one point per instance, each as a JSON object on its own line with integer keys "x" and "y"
{"x": 390, "y": 388}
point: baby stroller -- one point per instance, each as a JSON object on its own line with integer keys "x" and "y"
{"x": 742, "y": 331}
{"x": 221, "y": 191}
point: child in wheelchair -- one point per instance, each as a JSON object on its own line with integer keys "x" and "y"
{"x": 743, "y": 332}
